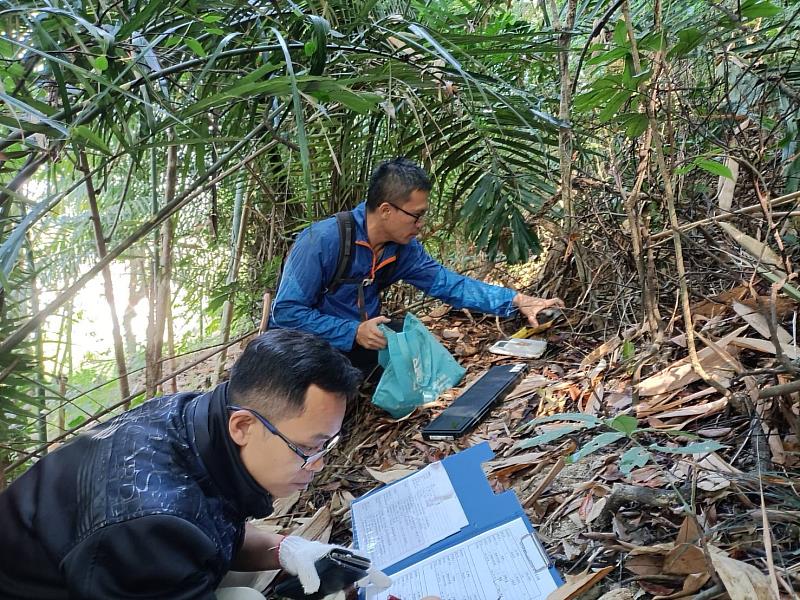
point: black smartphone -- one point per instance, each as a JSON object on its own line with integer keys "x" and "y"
{"x": 471, "y": 406}
{"x": 338, "y": 569}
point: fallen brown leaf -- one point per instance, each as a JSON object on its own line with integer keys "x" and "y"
{"x": 680, "y": 373}
{"x": 742, "y": 581}
{"x": 390, "y": 475}
{"x": 578, "y": 584}
{"x": 758, "y": 322}
{"x": 689, "y": 532}
{"x": 656, "y": 588}
{"x": 685, "y": 559}
{"x": 647, "y": 560}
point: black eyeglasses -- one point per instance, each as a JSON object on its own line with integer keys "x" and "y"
{"x": 308, "y": 459}
{"x": 416, "y": 216}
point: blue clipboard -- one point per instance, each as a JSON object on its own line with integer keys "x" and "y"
{"x": 484, "y": 509}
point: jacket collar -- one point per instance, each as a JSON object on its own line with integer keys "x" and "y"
{"x": 360, "y": 218}
{"x": 220, "y": 455}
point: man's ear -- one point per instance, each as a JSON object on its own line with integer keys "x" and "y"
{"x": 241, "y": 427}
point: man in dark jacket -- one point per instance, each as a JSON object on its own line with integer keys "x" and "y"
{"x": 153, "y": 503}
{"x": 385, "y": 250}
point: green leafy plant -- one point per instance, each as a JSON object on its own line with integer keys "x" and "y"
{"x": 619, "y": 428}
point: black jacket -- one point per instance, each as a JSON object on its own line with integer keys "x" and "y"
{"x": 150, "y": 504}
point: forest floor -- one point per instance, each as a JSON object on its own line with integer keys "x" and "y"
{"x": 678, "y": 506}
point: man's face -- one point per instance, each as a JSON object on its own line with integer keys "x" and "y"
{"x": 406, "y": 219}
{"x": 269, "y": 459}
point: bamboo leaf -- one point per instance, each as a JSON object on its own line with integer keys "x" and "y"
{"x": 318, "y": 49}
{"x": 752, "y": 246}
{"x": 632, "y": 458}
{"x": 140, "y": 17}
{"x": 754, "y": 9}
{"x": 9, "y": 249}
{"x": 302, "y": 138}
{"x": 697, "y": 448}
{"x": 624, "y": 423}
{"x": 196, "y": 47}
{"x": 32, "y": 115}
{"x": 713, "y": 167}
{"x": 86, "y": 133}
{"x": 549, "y": 436}
{"x": 595, "y": 444}
{"x": 588, "y": 420}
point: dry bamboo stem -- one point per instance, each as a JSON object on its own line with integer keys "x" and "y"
{"x": 669, "y": 196}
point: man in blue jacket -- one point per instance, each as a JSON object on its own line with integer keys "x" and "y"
{"x": 385, "y": 251}
{"x": 153, "y": 503}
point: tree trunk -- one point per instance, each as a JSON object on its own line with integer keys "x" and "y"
{"x": 108, "y": 284}
{"x": 137, "y": 290}
{"x": 173, "y": 383}
{"x": 62, "y": 379}
{"x": 161, "y": 300}
{"x": 62, "y": 413}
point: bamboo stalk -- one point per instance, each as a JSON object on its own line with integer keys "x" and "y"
{"x": 237, "y": 249}
{"x": 108, "y": 283}
{"x": 41, "y": 400}
{"x": 163, "y": 273}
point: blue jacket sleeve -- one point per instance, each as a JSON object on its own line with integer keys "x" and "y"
{"x": 310, "y": 263}
{"x": 420, "y": 270}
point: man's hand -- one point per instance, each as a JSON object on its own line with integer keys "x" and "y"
{"x": 369, "y": 336}
{"x": 297, "y": 556}
{"x": 530, "y": 306}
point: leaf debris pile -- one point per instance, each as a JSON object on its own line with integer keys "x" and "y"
{"x": 656, "y": 486}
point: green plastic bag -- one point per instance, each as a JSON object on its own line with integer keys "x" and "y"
{"x": 417, "y": 368}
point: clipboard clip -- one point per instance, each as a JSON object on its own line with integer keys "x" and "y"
{"x": 526, "y": 542}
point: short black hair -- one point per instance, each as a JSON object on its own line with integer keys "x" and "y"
{"x": 276, "y": 369}
{"x": 394, "y": 180}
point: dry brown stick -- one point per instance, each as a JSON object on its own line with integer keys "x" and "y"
{"x": 108, "y": 281}
{"x": 710, "y": 593}
{"x": 265, "y": 310}
{"x": 780, "y": 390}
{"x": 772, "y": 324}
{"x": 780, "y": 201}
{"x": 630, "y": 201}
{"x": 545, "y": 483}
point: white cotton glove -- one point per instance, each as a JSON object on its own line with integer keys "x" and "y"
{"x": 297, "y": 556}
{"x": 374, "y": 583}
